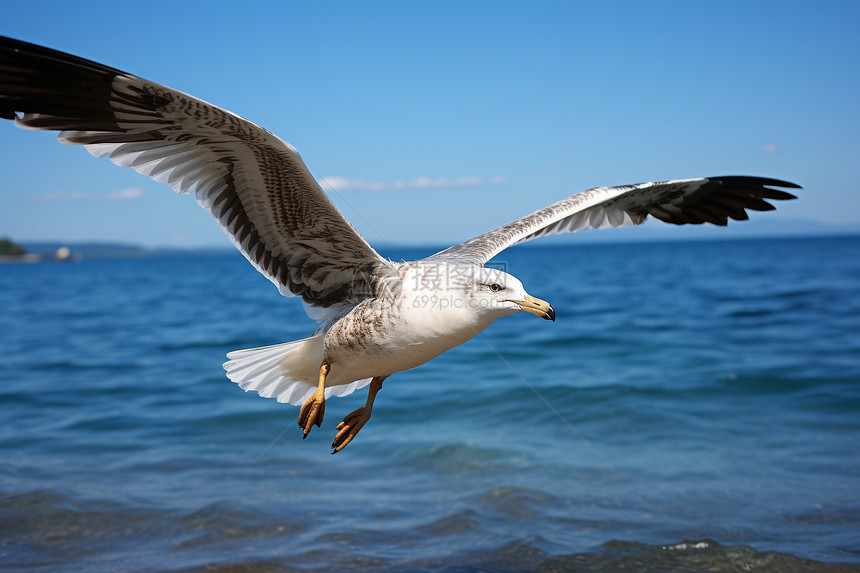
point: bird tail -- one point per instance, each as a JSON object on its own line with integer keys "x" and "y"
{"x": 288, "y": 372}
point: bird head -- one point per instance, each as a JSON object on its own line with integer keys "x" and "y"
{"x": 498, "y": 292}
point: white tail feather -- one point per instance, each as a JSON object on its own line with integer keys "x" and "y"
{"x": 288, "y": 372}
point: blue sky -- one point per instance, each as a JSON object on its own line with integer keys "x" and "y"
{"x": 436, "y": 121}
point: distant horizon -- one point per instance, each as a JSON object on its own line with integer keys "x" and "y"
{"x": 571, "y": 239}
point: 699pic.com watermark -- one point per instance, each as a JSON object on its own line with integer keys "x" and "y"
{"x": 441, "y": 302}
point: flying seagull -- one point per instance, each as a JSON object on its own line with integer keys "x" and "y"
{"x": 375, "y": 317}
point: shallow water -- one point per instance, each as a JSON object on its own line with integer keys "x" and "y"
{"x": 694, "y": 407}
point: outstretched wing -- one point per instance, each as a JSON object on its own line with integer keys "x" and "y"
{"x": 680, "y": 202}
{"x": 252, "y": 182}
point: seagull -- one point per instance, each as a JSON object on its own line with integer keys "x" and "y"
{"x": 375, "y": 317}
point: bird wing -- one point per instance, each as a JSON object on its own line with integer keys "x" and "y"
{"x": 253, "y": 183}
{"x": 680, "y": 202}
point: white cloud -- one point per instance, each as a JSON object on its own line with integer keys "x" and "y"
{"x": 121, "y": 195}
{"x": 768, "y": 148}
{"x": 344, "y": 184}
{"x": 124, "y": 194}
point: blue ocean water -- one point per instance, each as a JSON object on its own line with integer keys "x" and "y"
{"x": 695, "y": 406}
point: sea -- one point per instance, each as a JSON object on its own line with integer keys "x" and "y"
{"x": 695, "y": 407}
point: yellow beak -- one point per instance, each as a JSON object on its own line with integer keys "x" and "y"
{"x": 537, "y": 307}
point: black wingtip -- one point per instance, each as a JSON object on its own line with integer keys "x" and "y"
{"x": 761, "y": 181}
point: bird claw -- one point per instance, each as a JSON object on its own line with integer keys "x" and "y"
{"x": 349, "y": 428}
{"x": 312, "y": 412}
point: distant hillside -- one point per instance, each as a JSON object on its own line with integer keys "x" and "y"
{"x": 10, "y": 249}
{"x": 85, "y": 249}
{"x": 96, "y": 250}
{"x": 653, "y": 231}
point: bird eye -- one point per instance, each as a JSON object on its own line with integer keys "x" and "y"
{"x": 495, "y": 287}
